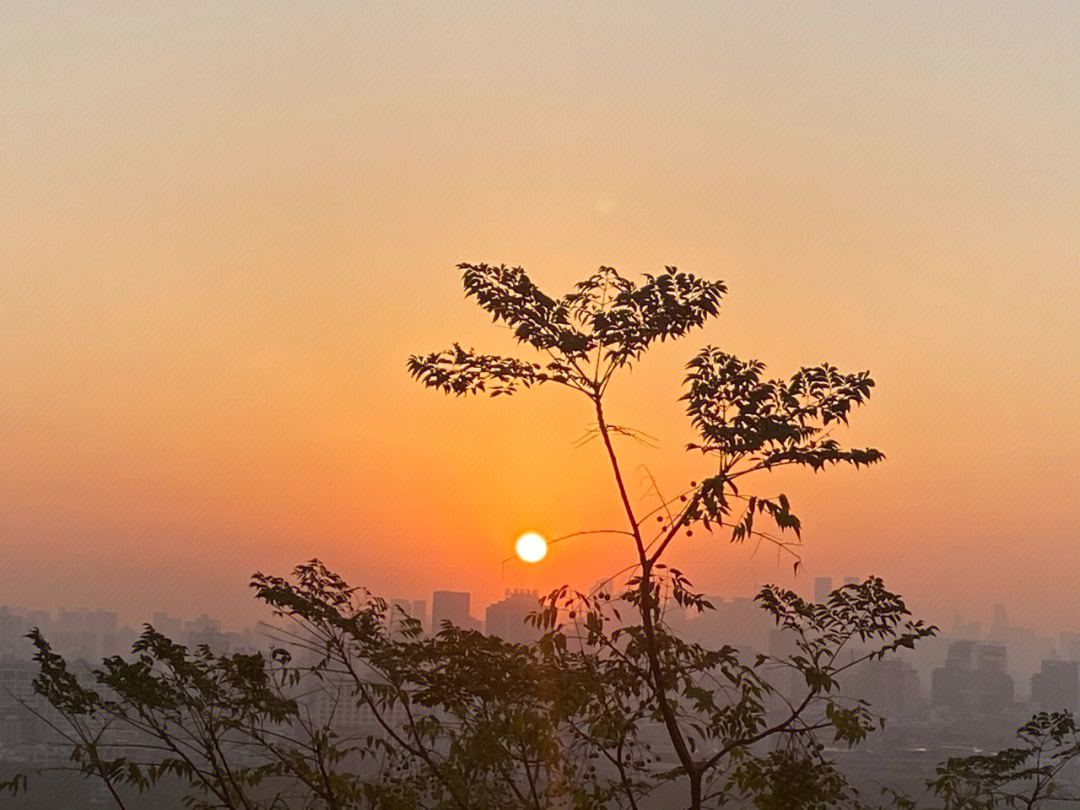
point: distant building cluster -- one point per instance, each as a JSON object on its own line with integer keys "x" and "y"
{"x": 973, "y": 681}
{"x": 84, "y": 638}
{"x": 963, "y": 691}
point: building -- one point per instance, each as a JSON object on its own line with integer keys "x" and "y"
{"x": 1057, "y": 687}
{"x": 168, "y": 626}
{"x": 822, "y": 589}
{"x": 453, "y": 607}
{"x": 739, "y": 621}
{"x": 207, "y": 632}
{"x": 88, "y": 634}
{"x": 398, "y": 611}
{"x": 973, "y": 681}
{"x": 889, "y": 685}
{"x": 333, "y": 702}
{"x": 507, "y": 618}
{"x": 419, "y": 612}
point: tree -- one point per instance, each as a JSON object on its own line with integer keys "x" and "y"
{"x": 746, "y": 424}
{"x": 1025, "y": 775}
{"x": 610, "y": 707}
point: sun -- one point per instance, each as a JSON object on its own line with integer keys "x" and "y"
{"x": 531, "y": 547}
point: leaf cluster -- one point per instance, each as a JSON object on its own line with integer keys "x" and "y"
{"x": 1025, "y": 775}
{"x": 605, "y": 323}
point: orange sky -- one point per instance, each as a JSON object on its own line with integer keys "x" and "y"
{"x": 227, "y": 225}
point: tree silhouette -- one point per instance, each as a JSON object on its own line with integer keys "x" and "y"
{"x": 746, "y": 424}
{"x": 610, "y": 707}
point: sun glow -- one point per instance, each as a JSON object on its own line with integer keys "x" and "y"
{"x": 531, "y": 547}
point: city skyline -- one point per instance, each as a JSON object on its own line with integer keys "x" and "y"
{"x": 1026, "y": 654}
{"x": 974, "y": 624}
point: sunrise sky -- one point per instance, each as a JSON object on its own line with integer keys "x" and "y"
{"x": 226, "y": 226}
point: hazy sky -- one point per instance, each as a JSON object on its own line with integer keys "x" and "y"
{"x": 226, "y": 226}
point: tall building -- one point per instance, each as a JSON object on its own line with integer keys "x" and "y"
{"x": 1070, "y": 646}
{"x": 85, "y": 634}
{"x": 973, "y": 680}
{"x": 419, "y": 612}
{"x": 822, "y": 589}
{"x": 889, "y": 685}
{"x": 332, "y": 702}
{"x": 399, "y": 611}
{"x": 205, "y": 631}
{"x": 965, "y": 629}
{"x": 1057, "y": 686}
{"x": 13, "y": 628}
{"x": 999, "y": 628}
{"x": 739, "y": 622}
{"x": 506, "y": 619}
{"x": 168, "y": 626}
{"x": 453, "y": 607}
{"x": 790, "y": 683}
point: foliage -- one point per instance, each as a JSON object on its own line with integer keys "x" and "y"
{"x": 610, "y": 707}
{"x": 746, "y": 737}
{"x": 746, "y": 424}
{"x": 464, "y": 720}
{"x": 1025, "y": 775}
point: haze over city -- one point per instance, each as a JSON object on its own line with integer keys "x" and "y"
{"x": 227, "y": 227}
